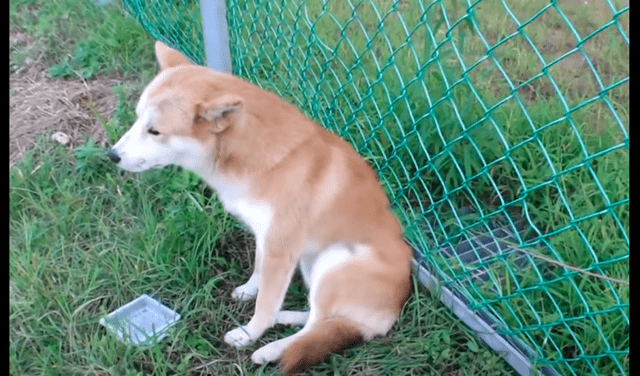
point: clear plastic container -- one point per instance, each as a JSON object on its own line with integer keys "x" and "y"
{"x": 141, "y": 322}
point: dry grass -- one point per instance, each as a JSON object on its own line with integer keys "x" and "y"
{"x": 38, "y": 105}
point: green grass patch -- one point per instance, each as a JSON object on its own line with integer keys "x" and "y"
{"x": 78, "y": 39}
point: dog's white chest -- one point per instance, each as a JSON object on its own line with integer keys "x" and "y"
{"x": 236, "y": 200}
{"x": 256, "y": 215}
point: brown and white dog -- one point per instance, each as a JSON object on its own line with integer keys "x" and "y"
{"x": 305, "y": 193}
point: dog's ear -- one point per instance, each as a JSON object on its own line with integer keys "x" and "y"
{"x": 168, "y": 57}
{"x": 221, "y": 112}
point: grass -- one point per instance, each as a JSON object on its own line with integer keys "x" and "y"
{"x": 86, "y": 237}
{"x": 74, "y": 45}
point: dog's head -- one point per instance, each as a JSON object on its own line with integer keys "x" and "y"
{"x": 180, "y": 114}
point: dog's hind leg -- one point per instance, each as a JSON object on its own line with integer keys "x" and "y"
{"x": 294, "y": 318}
{"x": 272, "y": 352}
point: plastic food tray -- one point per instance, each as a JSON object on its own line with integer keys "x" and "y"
{"x": 141, "y": 322}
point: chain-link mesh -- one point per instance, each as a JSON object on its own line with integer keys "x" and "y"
{"x": 499, "y": 129}
{"x": 176, "y": 23}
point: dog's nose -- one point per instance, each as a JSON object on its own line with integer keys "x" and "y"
{"x": 113, "y": 156}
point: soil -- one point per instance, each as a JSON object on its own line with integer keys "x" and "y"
{"x": 39, "y": 104}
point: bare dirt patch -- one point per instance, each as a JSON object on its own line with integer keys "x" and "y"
{"x": 38, "y": 104}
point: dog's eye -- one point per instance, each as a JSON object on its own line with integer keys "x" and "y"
{"x": 153, "y": 131}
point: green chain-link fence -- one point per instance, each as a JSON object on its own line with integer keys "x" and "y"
{"x": 499, "y": 129}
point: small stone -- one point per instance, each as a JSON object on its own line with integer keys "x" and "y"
{"x": 61, "y": 137}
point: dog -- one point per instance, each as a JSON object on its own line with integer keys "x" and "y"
{"x": 310, "y": 200}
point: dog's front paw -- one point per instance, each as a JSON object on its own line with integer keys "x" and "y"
{"x": 245, "y": 292}
{"x": 248, "y": 291}
{"x": 238, "y": 337}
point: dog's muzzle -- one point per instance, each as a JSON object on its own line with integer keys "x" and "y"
{"x": 115, "y": 158}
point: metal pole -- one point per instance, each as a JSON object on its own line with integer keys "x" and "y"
{"x": 216, "y": 34}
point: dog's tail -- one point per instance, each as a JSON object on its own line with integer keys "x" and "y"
{"x": 325, "y": 337}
